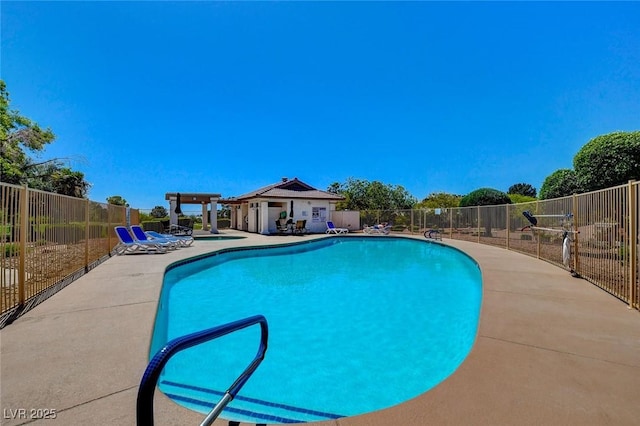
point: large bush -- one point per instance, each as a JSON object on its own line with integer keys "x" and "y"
{"x": 608, "y": 160}
{"x": 525, "y": 189}
{"x": 485, "y": 197}
{"x": 159, "y": 212}
{"x": 560, "y": 183}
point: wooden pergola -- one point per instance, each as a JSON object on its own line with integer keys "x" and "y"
{"x": 203, "y": 199}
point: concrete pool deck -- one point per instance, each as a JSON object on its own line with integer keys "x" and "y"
{"x": 550, "y": 350}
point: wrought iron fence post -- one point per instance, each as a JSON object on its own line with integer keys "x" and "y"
{"x": 109, "y": 229}
{"x": 411, "y": 212}
{"x": 633, "y": 244}
{"x": 576, "y": 257}
{"x": 86, "y": 236}
{"x": 537, "y": 236}
{"x": 24, "y": 232}
{"x": 478, "y": 224}
{"x": 508, "y": 224}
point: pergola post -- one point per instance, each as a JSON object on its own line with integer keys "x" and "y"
{"x": 173, "y": 216}
{"x": 191, "y": 198}
{"x": 214, "y": 215}
{"x": 205, "y": 220}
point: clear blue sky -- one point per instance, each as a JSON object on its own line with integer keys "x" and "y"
{"x": 155, "y": 97}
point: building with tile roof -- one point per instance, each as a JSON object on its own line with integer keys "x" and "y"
{"x": 259, "y": 210}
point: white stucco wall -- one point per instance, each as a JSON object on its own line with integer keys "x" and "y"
{"x": 254, "y": 210}
{"x": 318, "y": 223}
{"x": 315, "y": 212}
{"x": 349, "y": 219}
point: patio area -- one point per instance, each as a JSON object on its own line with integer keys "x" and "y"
{"x": 550, "y": 350}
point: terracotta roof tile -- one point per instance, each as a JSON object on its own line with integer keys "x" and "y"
{"x": 293, "y": 188}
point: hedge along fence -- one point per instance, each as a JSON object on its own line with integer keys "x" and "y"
{"x": 604, "y": 251}
{"x": 48, "y": 240}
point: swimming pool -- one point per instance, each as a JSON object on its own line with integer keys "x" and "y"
{"x": 356, "y": 324}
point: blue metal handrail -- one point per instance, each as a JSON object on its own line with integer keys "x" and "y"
{"x": 144, "y": 409}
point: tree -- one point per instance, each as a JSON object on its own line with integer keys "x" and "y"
{"x": 561, "y": 183}
{"x": 67, "y": 182}
{"x": 52, "y": 176}
{"x": 364, "y": 195}
{"x": 354, "y": 192}
{"x": 608, "y": 160}
{"x": 117, "y": 200}
{"x": 485, "y": 197}
{"x": 401, "y": 199}
{"x": 18, "y": 133}
{"x": 159, "y": 212}
{"x": 439, "y": 199}
{"x": 523, "y": 189}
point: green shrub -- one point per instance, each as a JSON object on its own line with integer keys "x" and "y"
{"x": 11, "y": 249}
{"x": 523, "y": 189}
{"x": 485, "y": 197}
{"x": 608, "y": 160}
{"x": 561, "y": 183}
{"x": 153, "y": 225}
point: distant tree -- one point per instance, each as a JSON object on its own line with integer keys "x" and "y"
{"x": 608, "y": 160}
{"x": 335, "y": 188}
{"x": 485, "y": 197}
{"x": 117, "y": 200}
{"x": 224, "y": 212}
{"x": 364, "y": 195}
{"x": 561, "y": 183}
{"x": 439, "y": 199}
{"x": 401, "y": 199}
{"x": 159, "y": 212}
{"x": 67, "y": 182}
{"x": 523, "y": 189}
{"x": 144, "y": 217}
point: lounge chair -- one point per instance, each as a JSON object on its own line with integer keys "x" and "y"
{"x": 331, "y": 229}
{"x": 183, "y": 241}
{"x": 184, "y": 227}
{"x": 284, "y": 227}
{"x": 300, "y": 227}
{"x": 377, "y": 229}
{"x": 140, "y": 236}
{"x": 128, "y": 244}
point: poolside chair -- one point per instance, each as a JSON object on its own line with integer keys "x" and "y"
{"x": 377, "y": 229}
{"x": 128, "y": 244}
{"x": 300, "y": 227}
{"x": 183, "y": 241}
{"x": 331, "y": 229}
{"x": 140, "y": 236}
{"x": 184, "y": 227}
{"x": 283, "y": 226}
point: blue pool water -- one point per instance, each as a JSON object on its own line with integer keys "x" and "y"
{"x": 355, "y": 325}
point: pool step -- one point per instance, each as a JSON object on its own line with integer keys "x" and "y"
{"x": 241, "y": 408}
